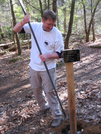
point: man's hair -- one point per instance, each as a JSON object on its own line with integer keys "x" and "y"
{"x": 49, "y": 14}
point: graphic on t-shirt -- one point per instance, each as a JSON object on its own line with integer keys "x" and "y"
{"x": 46, "y": 42}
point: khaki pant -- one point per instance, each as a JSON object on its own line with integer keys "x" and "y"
{"x": 41, "y": 85}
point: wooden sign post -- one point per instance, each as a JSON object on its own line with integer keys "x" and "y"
{"x": 71, "y": 56}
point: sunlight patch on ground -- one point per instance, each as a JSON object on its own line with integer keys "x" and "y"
{"x": 16, "y": 90}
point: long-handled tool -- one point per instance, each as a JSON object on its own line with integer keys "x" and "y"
{"x": 22, "y": 6}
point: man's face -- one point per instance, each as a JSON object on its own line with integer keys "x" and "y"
{"x": 48, "y": 24}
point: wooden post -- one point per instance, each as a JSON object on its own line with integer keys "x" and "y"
{"x": 71, "y": 97}
{"x": 71, "y": 56}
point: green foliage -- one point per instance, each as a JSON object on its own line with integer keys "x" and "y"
{"x": 2, "y": 2}
{"x": 15, "y": 59}
{"x": 8, "y": 32}
{"x": 23, "y": 36}
{"x": 18, "y": 12}
{"x": 33, "y": 8}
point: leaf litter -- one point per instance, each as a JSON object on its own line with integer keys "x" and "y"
{"x": 18, "y": 106}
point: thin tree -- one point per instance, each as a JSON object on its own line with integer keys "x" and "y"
{"x": 1, "y": 32}
{"x": 41, "y": 8}
{"x": 55, "y": 5}
{"x": 70, "y": 25}
{"x": 87, "y": 29}
{"x": 14, "y": 22}
{"x": 48, "y": 4}
{"x": 93, "y": 30}
{"x": 64, "y": 12}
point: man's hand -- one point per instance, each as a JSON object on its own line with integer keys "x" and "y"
{"x": 43, "y": 57}
{"x": 26, "y": 19}
{"x": 18, "y": 27}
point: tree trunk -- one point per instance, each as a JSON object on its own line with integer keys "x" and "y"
{"x": 65, "y": 20}
{"x": 48, "y": 4}
{"x": 18, "y": 42}
{"x": 87, "y": 30}
{"x": 93, "y": 31}
{"x": 45, "y": 7}
{"x": 14, "y": 22}
{"x": 93, "y": 14}
{"x": 58, "y": 20}
{"x": 1, "y": 32}
{"x": 70, "y": 24}
{"x": 87, "y": 37}
{"x": 41, "y": 8}
{"x": 55, "y": 5}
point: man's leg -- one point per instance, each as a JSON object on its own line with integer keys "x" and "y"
{"x": 51, "y": 95}
{"x": 36, "y": 84}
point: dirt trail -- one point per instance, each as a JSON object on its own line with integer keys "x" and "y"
{"x": 18, "y": 106}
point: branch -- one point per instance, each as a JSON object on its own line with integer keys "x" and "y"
{"x": 32, "y": 6}
{"x": 92, "y": 17}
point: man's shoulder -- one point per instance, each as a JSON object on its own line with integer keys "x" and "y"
{"x": 56, "y": 30}
{"x": 36, "y": 23}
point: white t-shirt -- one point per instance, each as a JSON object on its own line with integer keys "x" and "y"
{"x": 49, "y": 42}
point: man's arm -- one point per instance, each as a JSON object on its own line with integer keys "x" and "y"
{"x": 55, "y": 55}
{"x": 18, "y": 27}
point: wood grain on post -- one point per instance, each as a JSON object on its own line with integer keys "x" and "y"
{"x": 71, "y": 97}
{"x": 71, "y": 56}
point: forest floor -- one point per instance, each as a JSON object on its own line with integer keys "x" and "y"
{"x": 18, "y": 106}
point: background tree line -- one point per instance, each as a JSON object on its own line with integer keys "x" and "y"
{"x": 80, "y": 18}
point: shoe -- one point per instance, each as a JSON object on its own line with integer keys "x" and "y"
{"x": 56, "y": 122}
{"x": 41, "y": 112}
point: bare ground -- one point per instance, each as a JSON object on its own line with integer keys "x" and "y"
{"x": 18, "y": 106}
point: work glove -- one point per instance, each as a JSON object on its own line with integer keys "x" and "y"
{"x": 43, "y": 57}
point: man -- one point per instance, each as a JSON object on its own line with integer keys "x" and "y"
{"x": 51, "y": 44}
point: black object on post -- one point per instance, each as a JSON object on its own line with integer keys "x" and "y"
{"x": 71, "y": 55}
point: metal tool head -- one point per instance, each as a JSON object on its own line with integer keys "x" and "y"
{"x": 71, "y": 55}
